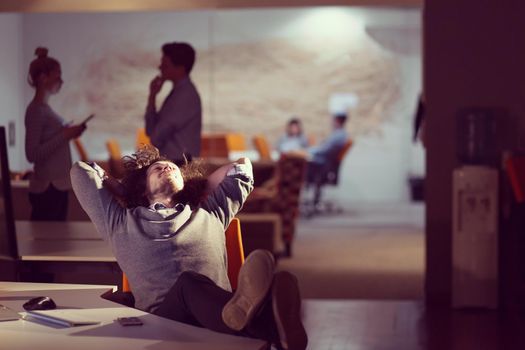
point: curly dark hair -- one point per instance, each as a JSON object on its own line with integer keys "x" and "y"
{"x": 135, "y": 174}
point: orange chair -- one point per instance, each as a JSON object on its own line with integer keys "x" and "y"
{"x": 214, "y": 145}
{"x": 142, "y": 138}
{"x": 262, "y": 147}
{"x": 235, "y": 142}
{"x": 234, "y": 250}
{"x": 116, "y": 168}
{"x": 82, "y": 154}
{"x": 113, "y": 149}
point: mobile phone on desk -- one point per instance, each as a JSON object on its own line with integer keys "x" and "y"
{"x": 130, "y": 321}
{"x": 88, "y": 119}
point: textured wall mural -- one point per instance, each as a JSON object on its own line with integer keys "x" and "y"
{"x": 247, "y": 88}
{"x": 269, "y": 81}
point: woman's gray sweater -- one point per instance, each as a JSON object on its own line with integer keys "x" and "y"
{"x": 153, "y": 247}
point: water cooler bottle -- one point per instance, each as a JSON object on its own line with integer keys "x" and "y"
{"x": 475, "y": 212}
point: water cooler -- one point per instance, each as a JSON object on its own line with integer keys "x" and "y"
{"x": 475, "y": 214}
{"x": 475, "y": 237}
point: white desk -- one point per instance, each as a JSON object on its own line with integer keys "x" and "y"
{"x": 61, "y": 241}
{"x": 156, "y": 334}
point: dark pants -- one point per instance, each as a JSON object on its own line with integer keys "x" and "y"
{"x": 195, "y": 299}
{"x": 50, "y": 205}
{"x": 315, "y": 176}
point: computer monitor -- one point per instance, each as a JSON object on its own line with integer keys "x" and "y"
{"x": 8, "y": 246}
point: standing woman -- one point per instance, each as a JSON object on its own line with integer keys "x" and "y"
{"x": 47, "y": 142}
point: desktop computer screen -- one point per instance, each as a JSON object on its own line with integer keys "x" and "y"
{"x": 8, "y": 246}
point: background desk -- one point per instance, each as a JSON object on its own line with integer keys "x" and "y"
{"x": 22, "y": 207}
{"x": 70, "y": 251}
{"x": 156, "y": 334}
{"x": 61, "y": 241}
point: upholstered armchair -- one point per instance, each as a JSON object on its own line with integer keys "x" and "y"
{"x": 281, "y": 195}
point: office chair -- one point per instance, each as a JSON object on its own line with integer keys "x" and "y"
{"x": 235, "y": 142}
{"x": 141, "y": 138}
{"x": 81, "y": 150}
{"x": 115, "y": 165}
{"x": 262, "y": 147}
{"x": 234, "y": 250}
{"x": 322, "y": 175}
{"x": 281, "y": 195}
{"x": 214, "y": 145}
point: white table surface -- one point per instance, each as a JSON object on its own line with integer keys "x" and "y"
{"x": 29, "y": 286}
{"x": 156, "y": 334}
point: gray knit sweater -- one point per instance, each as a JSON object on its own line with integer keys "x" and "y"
{"x": 153, "y": 247}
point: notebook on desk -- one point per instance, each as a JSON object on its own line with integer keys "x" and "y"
{"x": 61, "y": 317}
{"x": 6, "y": 314}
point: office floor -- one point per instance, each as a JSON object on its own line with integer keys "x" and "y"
{"x": 408, "y": 325}
{"x": 366, "y": 252}
{"x": 362, "y": 275}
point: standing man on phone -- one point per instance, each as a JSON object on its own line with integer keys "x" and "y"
{"x": 175, "y": 128}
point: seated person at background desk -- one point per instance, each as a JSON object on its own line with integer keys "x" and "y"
{"x": 294, "y": 139}
{"x": 169, "y": 240}
{"x": 47, "y": 142}
{"x": 324, "y": 153}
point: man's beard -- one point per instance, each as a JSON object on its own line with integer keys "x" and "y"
{"x": 168, "y": 188}
{"x": 193, "y": 192}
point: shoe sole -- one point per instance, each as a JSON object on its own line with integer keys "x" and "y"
{"x": 255, "y": 280}
{"x": 286, "y": 304}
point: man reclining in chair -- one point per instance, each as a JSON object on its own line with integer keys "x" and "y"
{"x": 166, "y": 225}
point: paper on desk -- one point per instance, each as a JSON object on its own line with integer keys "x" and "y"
{"x": 6, "y": 314}
{"x": 63, "y": 317}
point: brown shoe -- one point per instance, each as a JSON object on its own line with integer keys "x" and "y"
{"x": 255, "y": 280}
{"x": 286, "y": 304}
